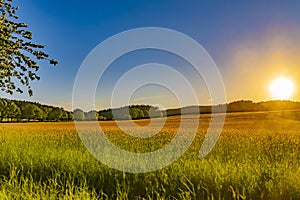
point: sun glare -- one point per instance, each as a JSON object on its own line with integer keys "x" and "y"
{"x": 282, "y": 88}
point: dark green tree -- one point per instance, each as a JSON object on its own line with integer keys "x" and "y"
{"x": 64, "y": 116}
{"x": 70, "y": 116}
{"x": 3, "y": 109}
{"x": 13, "y": 111}
{"x": 32, "y": 112}
{"x": 92, "y": 115}
{"x": 46, "y": 111}
{"x": 79, "y": 115}
{"x": 101, "y": 118}
{"x": 18, "y": 54}
{"x": 136, "y": 113}
{"x": 55, "y": 114}
{"x": 106, "y": 114}
{"x": 146, "y": 113}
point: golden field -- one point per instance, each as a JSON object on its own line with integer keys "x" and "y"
{"x": 256, "y": 157}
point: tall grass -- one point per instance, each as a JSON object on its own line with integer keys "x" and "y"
{"x": 257, "y": 157}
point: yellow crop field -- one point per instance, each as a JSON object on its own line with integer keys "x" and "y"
{"x": 256, "y": 157}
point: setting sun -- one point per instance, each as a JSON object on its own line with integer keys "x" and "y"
{"x": 282, "y": 88}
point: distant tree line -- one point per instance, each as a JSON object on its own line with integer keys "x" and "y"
{"x": 20, "y": 111}
{"x": 250, "y": 106}
{"x": 123, "y": 113}
{"x": 237, "y": 106}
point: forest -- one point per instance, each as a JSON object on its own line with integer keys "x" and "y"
{"x": 19, "y": 111}
{"x": 24, "y": 111}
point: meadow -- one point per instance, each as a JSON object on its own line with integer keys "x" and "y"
{"x": 256, "y": 157}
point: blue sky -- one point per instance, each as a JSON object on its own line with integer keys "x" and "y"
{"x": 242, "y": 37}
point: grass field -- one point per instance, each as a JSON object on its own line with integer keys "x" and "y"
{"x": 256, "y": 157}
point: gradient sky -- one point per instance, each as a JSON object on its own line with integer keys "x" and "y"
{"x": 252, "y": 42}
